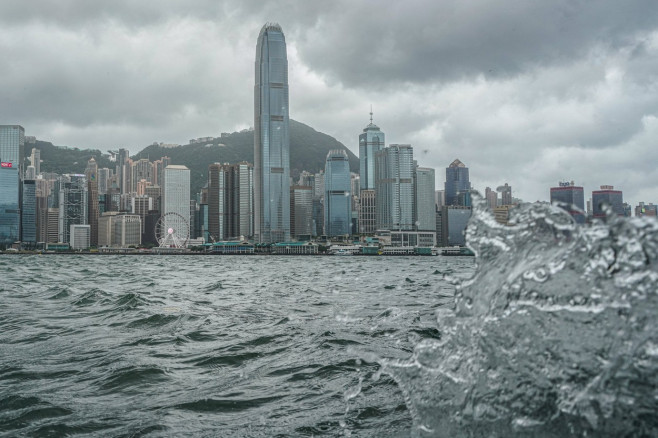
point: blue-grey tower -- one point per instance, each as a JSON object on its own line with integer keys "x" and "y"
{"x": 337, "y": 198}
{"x": 271, "y": 138}
{"x": 370, "y": 142}
{"x": 458, "y": 185}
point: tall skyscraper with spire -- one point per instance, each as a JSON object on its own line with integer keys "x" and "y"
{"x": 370, "y": 142}
{"x": 271, "y": 138}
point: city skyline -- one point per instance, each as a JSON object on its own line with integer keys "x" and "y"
{"x": 521, "y": 99}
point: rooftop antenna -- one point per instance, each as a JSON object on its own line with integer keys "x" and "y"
{"x": 371, "y": 114}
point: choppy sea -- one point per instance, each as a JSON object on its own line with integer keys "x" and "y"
{"x": 552, "y": 330}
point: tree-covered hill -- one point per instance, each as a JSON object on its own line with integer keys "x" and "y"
{"x": 308, "y": 150}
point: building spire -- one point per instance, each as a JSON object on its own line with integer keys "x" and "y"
{"x": 371, "y": 114}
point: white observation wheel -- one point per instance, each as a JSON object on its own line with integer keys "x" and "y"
{"x": 172, "y": 231}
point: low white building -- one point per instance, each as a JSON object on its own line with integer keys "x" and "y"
{"x": 80, "y": 236}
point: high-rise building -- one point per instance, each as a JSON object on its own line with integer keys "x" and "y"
{"x": 176, "y": 197}
{"x": 142, "y": 170}
{"x": 370, "y": 142}
{"x": 35, "y": 160}
{"x": 570, "y": 198}
{"x": 230, "y": 200}
{"x": 73, "y": 200}
{"x": 91, "y": 173}
{"x": 505, "y": 194}
{"x": 643, "y": 209}
{"x": 12, "y": 143}
{"x": 457, "y": 182}
{"x": 439, "y": 198}
{"x": 29, "y": 212}
{"x": 337, "y": 196}
{"x": 271, "y": 138}
{"x": 124, "y": 180}
{"x": 367, "y": 212}
{"x": 607, "y": 196}
{"x": 52, "y": 227}
{"x": 425, "y": 210}
{"x": 10, "y": 219}
{"x": 394, "y": 191}
{"x": 103, "y": 177}
{"x": 454, "y": 219}
{"x": 301, "y": 211}
{"x": 491, "y": 197}
{"x": 141, "y": 205}
{"x": 241, "y": 200}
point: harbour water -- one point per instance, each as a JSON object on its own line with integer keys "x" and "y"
{"x": 550, "y": 331}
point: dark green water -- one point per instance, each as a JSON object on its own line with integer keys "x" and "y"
{"x": 212, "y": 346}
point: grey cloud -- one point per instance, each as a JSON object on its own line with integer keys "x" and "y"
{"x": 396, "y": 42}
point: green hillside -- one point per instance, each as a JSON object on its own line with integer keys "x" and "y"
{"x": 308, "y": 150}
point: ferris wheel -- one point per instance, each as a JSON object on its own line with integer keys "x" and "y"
{"x": 172, "y": 231}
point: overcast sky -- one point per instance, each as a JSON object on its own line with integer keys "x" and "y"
{"x": 524, "y": 92}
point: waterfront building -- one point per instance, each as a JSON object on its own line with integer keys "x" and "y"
{"x": 119, "y": 230}
{"x": 91, "y": 173}
{"x": 367, "y": 212}
{"x": 301, "y": 211}
{"x": 571, "y": 198}
{"x": 52, "y": 227}
{"x": 231, "y": 201}
{"x": 394, "y": 191}
{"x": 643, "y": 209}
{"x": 454, "y": 219}
{"x": 29, "y": 213}
{"x": 73, "y": 200}
{"x": 80, "y": 236}
{"x": 337, "y": 197}
{"x": 176, "y": 197}
{"x": 425, "y": 210}
{"x": 607, "y": 196}
{"x": 141, "y": 205}
{"x": 371, "y": 141}
{"x": 271, "y": 138}
{"x": 41, "y": 216}
{"x": 318, "y": 216}
{"x": 457, "y": 182}
{"x": 10, "y": 225}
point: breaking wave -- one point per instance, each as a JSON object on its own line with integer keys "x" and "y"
{"x": 556, "y": 334}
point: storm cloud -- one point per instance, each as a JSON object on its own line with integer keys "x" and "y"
{"x": 527, "y": 93}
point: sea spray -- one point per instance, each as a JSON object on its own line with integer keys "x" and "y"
{"x": 554, "y": 335}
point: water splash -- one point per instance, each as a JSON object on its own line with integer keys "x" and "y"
{"x": 556, "y": 334}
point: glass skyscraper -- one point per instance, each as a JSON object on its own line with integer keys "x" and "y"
{"x": 176, "y": 198}
{"x": 370, "y": 142}
{"x": 607, "y": 196}
{"x": 457, "y": 183}
{"x": 29, "y": 212}
{"x": 425, "y": 208}
{"x": 12, "y": 141}
{"x": 9, "y": 208}
{"x": 337, "y": 197}
{"x": 73, "y": 201}
{"x": 271, "y": 138}
{"x": 570, "y": 198}
{"x": 394, "y": 187}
